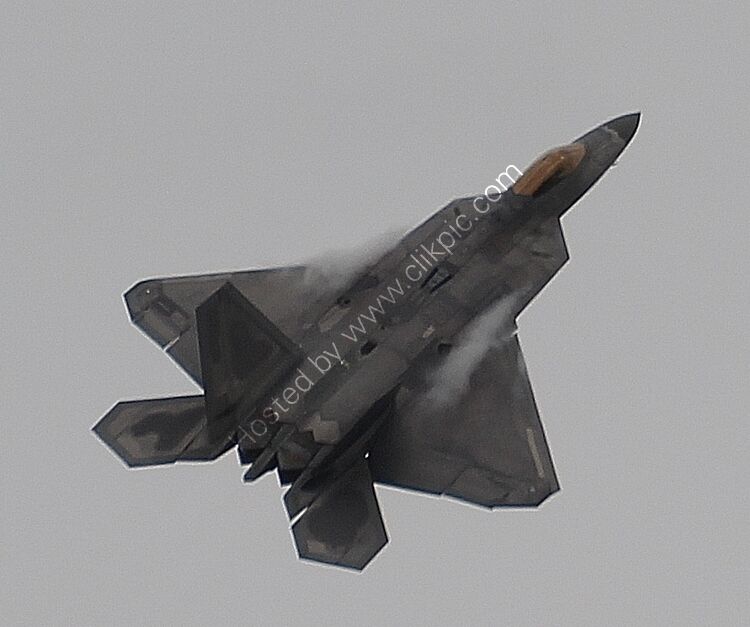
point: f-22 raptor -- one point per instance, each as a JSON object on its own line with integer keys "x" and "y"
{"x": 409, "y": 375}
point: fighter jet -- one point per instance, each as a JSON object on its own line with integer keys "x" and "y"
{"x": 409, "y": 375}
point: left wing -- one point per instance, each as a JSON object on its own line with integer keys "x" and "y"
{"x": 164, "y": 309}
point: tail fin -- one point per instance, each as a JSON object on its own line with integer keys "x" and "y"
{"x": 242, "y": 352}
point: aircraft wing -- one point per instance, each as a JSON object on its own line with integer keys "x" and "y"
{"x": 487, "y": 447}
{"x": 164, "y": 309}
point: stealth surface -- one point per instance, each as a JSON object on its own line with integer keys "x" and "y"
{"x": 408, "y": 373}
{"x": 487, "y": 446}
{"x": 343, "y": 525}
{"x": 164, "y": 308}
{"x": 241, "y": 352}
{"x": 156, "y": 431}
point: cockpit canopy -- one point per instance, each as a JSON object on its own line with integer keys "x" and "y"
{"x": 549, "y": 169}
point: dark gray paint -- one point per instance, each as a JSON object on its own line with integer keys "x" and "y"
{"x": 247, "y": 336}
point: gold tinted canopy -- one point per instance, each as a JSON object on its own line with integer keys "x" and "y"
{"x": 553, "y": 163}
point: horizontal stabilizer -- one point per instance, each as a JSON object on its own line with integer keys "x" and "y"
{"x": 343, "y": 525}
{"x": 160, "y": 431}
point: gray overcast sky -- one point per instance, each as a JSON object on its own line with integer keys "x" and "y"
{"x": 142, "y": 139}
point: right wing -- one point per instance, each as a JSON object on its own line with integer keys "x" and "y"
{"x": 488, "y": 447}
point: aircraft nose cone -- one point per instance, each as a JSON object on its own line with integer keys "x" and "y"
{"x": 625, "y": 126}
